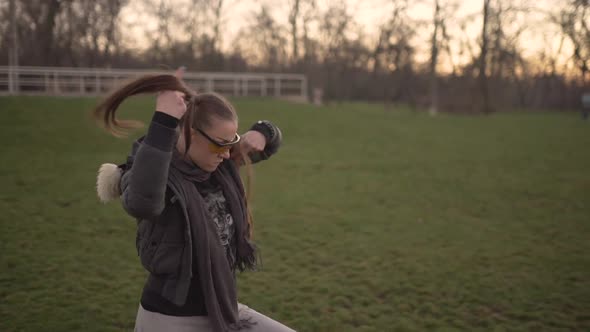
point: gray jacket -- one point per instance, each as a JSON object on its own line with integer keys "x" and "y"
{"x": 150, "y": 193}
{"x": 163, "y": 231}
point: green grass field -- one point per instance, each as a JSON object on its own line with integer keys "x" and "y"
{"x": 367, "y": 220}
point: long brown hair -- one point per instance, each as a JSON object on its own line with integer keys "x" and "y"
{"x": 201, "y": 107}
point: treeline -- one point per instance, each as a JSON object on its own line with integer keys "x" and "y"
{"x": 436, "y": 63}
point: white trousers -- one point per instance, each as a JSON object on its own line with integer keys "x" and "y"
{"x": 147, "y": 321}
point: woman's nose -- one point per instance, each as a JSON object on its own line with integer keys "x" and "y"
{"x": 225, "y": 155}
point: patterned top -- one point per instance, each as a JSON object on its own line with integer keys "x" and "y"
{"x": 219, "y": 213}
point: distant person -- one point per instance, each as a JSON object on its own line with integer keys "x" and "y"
{"x": 179, "y": 73}
{"x": 182, "y": 184}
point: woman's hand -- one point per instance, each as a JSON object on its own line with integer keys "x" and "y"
{"x": 171, "y": 103}
{"x": 252, "y": 141}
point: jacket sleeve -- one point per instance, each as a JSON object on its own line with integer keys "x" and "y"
{"x": 143, "y": 186}
{"x": 273, "y": 136}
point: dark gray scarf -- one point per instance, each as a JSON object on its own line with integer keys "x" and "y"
{"x": 216, "y": 276}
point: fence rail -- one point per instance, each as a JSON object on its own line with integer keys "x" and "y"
{"x": 97, "y": 81}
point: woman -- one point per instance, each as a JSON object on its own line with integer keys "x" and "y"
{"x": 181, "y": 183}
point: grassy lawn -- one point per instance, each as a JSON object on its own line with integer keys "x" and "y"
{"x": 368, "y": 220}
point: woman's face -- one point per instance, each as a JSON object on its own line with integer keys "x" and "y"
{"x": 202, "y": 151}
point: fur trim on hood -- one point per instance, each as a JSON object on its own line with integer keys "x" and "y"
{"x": 107, "y": 182}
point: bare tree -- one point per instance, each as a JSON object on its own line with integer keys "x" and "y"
{"x": 12, "y": 40}
{"x": 440, "y": 41}
{"x": 265, "y": 39}
{"x": 36, "y": 21}
{"x": 202, "y": 22}
{"x": 164, "y": 13}
{"x": 293, "y": 21}
{"x": 88, "y": 33}
{"x": 393, "y": 54}
{"x": 483, "y": 77}
{"x": 328, "y": 45}
{"x": 7, "y": 8}
{"x": 99, "y": 20}
{"x": 500, "y": 59}
{"x": 548, "y": 56}
{"x": 301, "y": 13}
{"x": 574, "y": 21}
{"x": 310, "y": 45}
{"x": 335, "y": 23}
{"x": 193, "y": 21}
{"x": 386, "y": 32}
{"x": 434, "y": 59}
{"x": 45, "y": 35}
{"x": 199, "y": 16}
{"x": 335, "y": 28}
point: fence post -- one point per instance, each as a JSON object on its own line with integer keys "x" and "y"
{"x": 304, "y": 88}
{"x": 277, "y": 86}
{"x": 47, "y": 84}
{"x": 209, "y": 84}
{"x": 16, "y": 81}
{"x": 245, "y": 87}
{"x": 97, "y": 83}
{"x": 236, "y": 86}
{"x": 55, "y": 83}
{"x": 263, "y": 87}
{"x": 10, "y": 81}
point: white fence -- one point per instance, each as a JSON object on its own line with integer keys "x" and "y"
{"x": 98, "y": 81}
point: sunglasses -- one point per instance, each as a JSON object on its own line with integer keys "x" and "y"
{"x": 218, "y": 147}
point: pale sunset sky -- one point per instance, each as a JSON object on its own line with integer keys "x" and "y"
{"x": 369, "y": 14}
